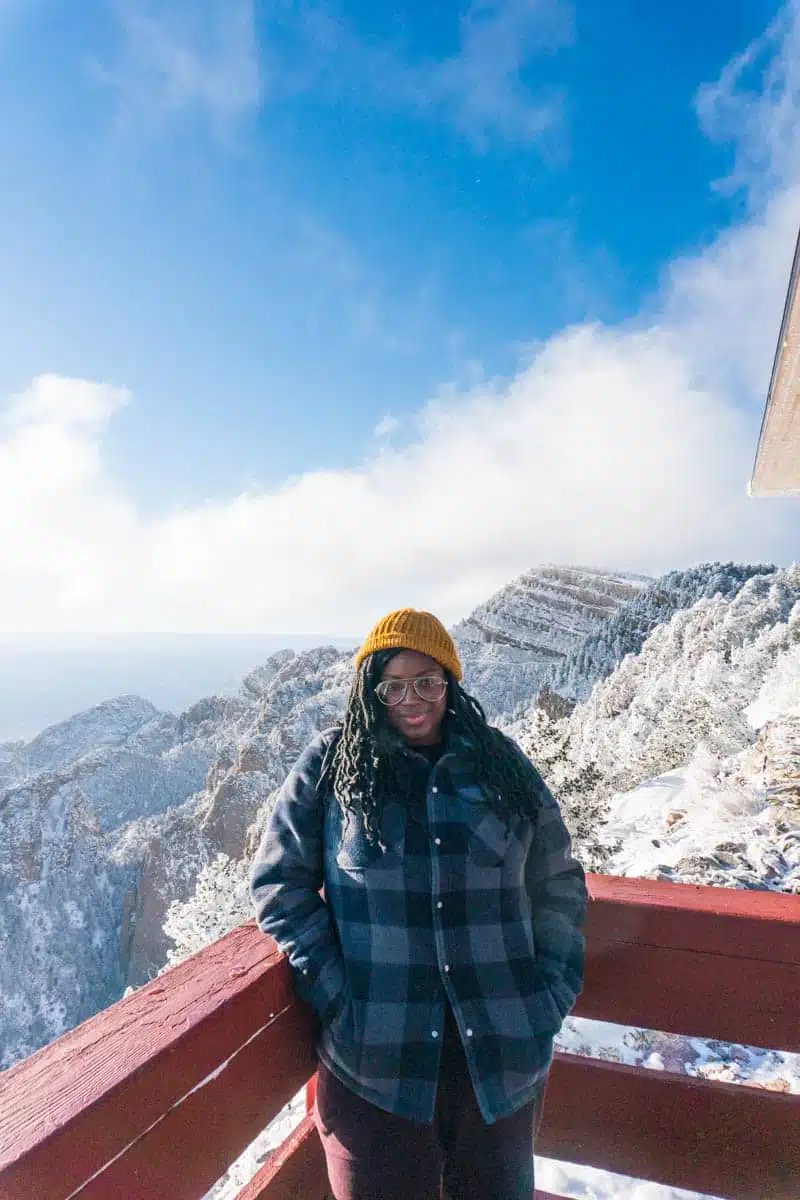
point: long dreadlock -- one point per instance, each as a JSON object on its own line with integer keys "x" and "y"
{"x": 368, "y": 767}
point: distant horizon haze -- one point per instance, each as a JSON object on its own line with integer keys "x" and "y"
{"x": 47, "y": 678}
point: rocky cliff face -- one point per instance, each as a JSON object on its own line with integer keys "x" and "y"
{"x": 284, "y": 703}
{"x": 510, "y": 643}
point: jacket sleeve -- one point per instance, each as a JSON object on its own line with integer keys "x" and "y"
{"x": 285, "y": 881}
{"x": 557, "y": 889}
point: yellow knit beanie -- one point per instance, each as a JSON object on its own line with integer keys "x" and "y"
{"x": 410, "y": 629}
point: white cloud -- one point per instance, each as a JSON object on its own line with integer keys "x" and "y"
{"x": 602, "y": 451}
{"x": 724, "y": 306}
{"x": 755, "y": 103}
{"x": 481, "y": 89}
{"x": 628, "y": 447}
{"x": 386, "y": 427}
{"x": 482, "y": 84}
{"x": 186, "y": 58}
{"x": 203, "y": 57}
{"x": 333, "y": 260}
{"x": 48, "y": 404}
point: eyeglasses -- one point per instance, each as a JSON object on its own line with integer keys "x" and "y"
{"x": 427, "y": 687}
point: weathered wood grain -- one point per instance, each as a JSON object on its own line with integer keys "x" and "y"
{"x": 704, "y": 961}
{"x": 764, "y": 926}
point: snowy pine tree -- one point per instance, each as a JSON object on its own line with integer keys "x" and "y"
{"x": 600, "y": 653}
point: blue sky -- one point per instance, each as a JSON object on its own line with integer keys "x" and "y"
{"x": 318, "y": 245}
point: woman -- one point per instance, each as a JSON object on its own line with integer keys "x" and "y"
{"x": 446, "y": 952}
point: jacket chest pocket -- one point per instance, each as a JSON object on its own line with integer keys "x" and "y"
{"x": 353, "y": 850}
{"x": 491, "y": 842}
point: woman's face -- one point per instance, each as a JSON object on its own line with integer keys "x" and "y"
{"x": 418, "y": 721}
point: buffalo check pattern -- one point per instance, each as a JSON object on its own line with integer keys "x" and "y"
{"x": 457, "y": 909}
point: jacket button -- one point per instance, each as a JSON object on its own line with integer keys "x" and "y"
{"x": 437, "y": 841}
{"x": 435, "y": 791}
{"x": 447, "y": 966}
{"x": 469, "y": 1033}
{"x": 438, "y": 904}
{"x": 434, "y": 1033}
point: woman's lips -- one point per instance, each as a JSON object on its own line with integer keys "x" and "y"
{"x": 414, "y": 719}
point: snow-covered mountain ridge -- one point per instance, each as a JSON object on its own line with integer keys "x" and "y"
{"x": 533, "y": 625}
{"x": 108, "y": 724}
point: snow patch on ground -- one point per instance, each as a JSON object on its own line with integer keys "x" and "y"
{"x": 697, "y": 824}
{"x": 726, "y": 1062}
{"x": 733, "y": 821}
{"x": 590, "y": 1183}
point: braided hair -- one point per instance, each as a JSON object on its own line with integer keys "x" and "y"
{"x": 367, "y": 765}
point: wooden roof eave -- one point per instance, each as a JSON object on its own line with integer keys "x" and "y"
{"x": 776, "y": 471}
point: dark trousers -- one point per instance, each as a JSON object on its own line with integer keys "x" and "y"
{"x": 374, "y": 1155}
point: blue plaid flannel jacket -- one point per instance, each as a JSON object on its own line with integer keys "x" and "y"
{"x": 457, "y": 909}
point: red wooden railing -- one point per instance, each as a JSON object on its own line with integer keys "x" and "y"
{"x": 156, "y": 1096}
